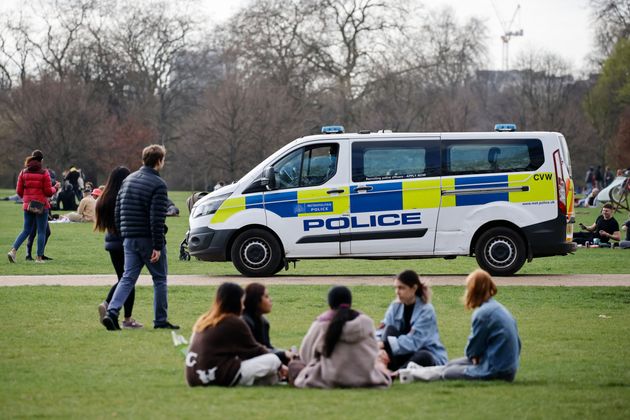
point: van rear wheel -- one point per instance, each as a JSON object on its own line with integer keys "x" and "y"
{"x": 256, "y": 253}
{"x": 500, "y": 251}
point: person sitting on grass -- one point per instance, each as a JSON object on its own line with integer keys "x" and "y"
{"x": 494, "y": 346}
{"x": 409, "y": 331}
{"x": 87, "y": 207}
{"x": 257, "y": 304}
{"x": 222, "y": 349}
{"x": 625, "y": 244}
{"x": 340, "y": 349}
{"x": 604, "y": 229}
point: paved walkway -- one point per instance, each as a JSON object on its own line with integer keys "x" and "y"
{"x": 437, "y": 280}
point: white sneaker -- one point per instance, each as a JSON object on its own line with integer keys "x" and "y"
{"x": 428, "y": 374}
{"x": 11, "y": 255}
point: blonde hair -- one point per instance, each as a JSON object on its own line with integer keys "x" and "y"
{"x": 226, "y": 302}
{"x": 479, "y": 288}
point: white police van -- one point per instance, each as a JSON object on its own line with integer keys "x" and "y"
{"x": 504, "y": 197}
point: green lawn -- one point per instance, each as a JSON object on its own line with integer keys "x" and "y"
{"x": 78, "y": 250}
{"x": 57, "y": 361}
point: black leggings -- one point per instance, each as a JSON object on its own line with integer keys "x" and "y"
{"x": 31, "y": 237}
{"x": 118, "y": 261}
{"x": 421, "y": 357}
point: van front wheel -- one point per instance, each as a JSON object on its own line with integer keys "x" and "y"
{"x": 500, "y": 251}
{"x": 256, "y": 253}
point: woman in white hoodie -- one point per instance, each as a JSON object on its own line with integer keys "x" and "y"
{"x": 340, "y": 349}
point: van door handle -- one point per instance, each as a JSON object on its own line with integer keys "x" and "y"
{"x": 364, "y": 188}
{"x": 334, "y": 192}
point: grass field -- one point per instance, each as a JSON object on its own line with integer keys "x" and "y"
{"x": 57, "y": 361}
{"x": 76, "y": 249}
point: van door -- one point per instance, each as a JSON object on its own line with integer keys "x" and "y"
{"x": 307, "y": 198}
{"x": 394, "y": 196}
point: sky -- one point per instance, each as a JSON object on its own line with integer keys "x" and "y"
{"x": 563, "y": 27}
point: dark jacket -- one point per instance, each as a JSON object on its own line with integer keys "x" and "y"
{"x": 259, "y": 326}
{"x": 215, "y": 354}
{"x": 113, "y": 242}
{"x": 141, "y": 207}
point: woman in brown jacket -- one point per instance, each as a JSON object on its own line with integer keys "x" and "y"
{"x": 223, "y": 351}
{"x": 340, "y": 349}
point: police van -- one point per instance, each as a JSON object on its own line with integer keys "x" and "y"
{"x": 504, "y": 197}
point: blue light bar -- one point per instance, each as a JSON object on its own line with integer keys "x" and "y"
{"x": 333, "y": 129}
{"x": 505, "y": 127}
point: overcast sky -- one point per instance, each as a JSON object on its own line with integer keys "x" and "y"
{"x": 563, "y": 27}
{"x": 559, "y": 26}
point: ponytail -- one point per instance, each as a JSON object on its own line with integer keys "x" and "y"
{"x": 411, "y": 278}
{"x": 333, "y": 333}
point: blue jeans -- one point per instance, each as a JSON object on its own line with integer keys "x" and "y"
{"x": 30, "y": 220}
{"x": 137, "y": 255}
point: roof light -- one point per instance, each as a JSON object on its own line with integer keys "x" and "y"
{"x": 333, "y": 129}
{"x": 505, "y": 127}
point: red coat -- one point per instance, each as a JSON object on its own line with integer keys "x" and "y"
{"x": 34, "y": 184}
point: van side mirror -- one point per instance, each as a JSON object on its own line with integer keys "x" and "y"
{"x": 268, "y": 178}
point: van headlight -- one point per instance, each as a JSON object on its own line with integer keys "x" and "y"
{"x": 209, "y": 206}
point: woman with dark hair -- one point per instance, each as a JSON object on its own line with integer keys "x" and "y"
{"x": 34, "y": 187}
{"x": 258, "y": 303}
{"x": 222, "y": 349}
{"x": 105, "y": 222}
{"x": 409, "y": 331}
{"x": 340, "y": 350}
{"x": 493, "y": 347}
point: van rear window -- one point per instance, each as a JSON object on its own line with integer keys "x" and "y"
{"x": 492, "y": 156}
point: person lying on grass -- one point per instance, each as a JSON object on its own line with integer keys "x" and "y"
{"x": 222, "y": 349}
{"x": 340, "y": 349}
{"x": 493, "y": 347}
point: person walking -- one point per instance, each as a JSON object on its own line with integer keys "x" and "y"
{"x": 38, "y": 155}
{"x": 34, "y": 186}
{"x": 140, "y": 213}
{"x": 105, "y": 222}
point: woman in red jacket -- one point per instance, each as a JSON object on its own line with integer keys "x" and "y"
{"x": 33, "y": 185}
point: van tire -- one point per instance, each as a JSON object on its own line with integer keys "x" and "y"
{"x": 256, "y": 253}
{"x": 500, "y": 251}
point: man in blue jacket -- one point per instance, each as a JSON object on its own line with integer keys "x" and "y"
{"x": 140, "y": 213}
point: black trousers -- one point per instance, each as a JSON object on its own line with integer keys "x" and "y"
{"x": 421, "y": 357}
{"x": 118, "y": 261}
{"x": 31, "y": 237}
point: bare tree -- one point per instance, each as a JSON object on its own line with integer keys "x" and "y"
{"x": 612, "y": 23}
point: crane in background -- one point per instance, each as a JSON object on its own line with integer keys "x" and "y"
{"x": 508, "y": 33}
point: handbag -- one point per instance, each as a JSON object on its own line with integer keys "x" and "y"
{"x": 35, "y": 207}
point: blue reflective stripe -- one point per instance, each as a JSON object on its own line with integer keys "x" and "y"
{"x": 491, "y": 181}
{"x": 284, "y": 204}
{"x": 382, "y": 197}
{"x": 254, "y": 201}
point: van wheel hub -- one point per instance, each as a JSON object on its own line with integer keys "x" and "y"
{"x": 500, "y": 252}
{"x": 255, "y": 253}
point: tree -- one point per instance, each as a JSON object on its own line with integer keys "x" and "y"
{"x": 609, "y": 100}
{"x": 612, "y": 23}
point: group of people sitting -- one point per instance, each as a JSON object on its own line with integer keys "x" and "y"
{"x": 230, "y": 343}
{"x": 604, "y": 231}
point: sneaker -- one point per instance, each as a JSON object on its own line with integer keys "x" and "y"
{"x": 166, "y": 325}
{"x": 111, "y": 323}
{"x": 102, "y": 311}
{"x": 11, "y": 255}
{"x": 39, "y": 260}
{"x": 132, "y": 324}
{"x": 28, "y": 258}
{"x": 45, "y": 258}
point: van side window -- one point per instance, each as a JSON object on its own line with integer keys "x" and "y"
{"x": 385, "y": 160}
{"x": 307, "y": 166}
{"x": 492, "y": 156}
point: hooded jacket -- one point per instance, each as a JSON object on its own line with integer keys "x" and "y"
{"x": 34, "y": 184}
{"x": 352, "y": 362}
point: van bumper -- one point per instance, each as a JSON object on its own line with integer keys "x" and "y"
{"x": 208, "y": 244}
{"x": 549, "y": 238}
